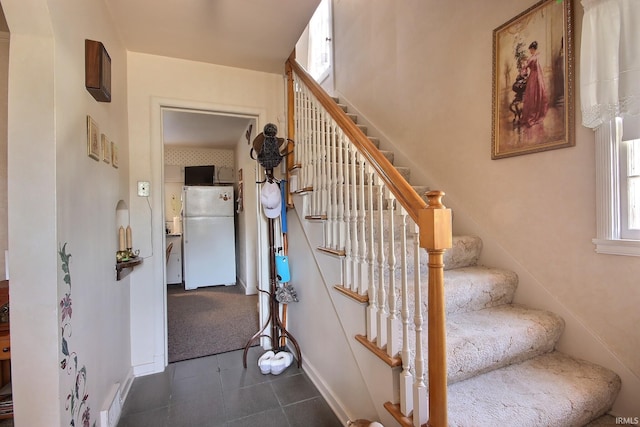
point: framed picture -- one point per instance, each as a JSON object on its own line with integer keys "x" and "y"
{"x": 533, "y": 81}
{"x": 93, "y": 142}
{"x": 114, "y": 154}
{"x": 106, "y": 148}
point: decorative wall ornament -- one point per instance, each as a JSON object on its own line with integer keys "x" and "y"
{"x": 93, "y": 141}
{"x": 77, "y": 400}
{"x": 97, "y": 70}
{"x": 106, "y": 148}
{"x": 533, "y": 81}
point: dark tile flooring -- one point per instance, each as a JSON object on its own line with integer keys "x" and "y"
{"x": 217, "y": 391}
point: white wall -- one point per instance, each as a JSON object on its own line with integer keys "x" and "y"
{"x": 58, "y": 195}
{"x": 421, "y": 73}
{"x": 158, "y": 81}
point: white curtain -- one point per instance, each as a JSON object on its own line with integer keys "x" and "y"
{"x": 609, "y": 60}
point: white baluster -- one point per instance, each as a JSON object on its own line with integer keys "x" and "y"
{"x": 393, "y": 347}
{"x": 362, "y": 255}
{"x": 382, "y": 296}
{"x": 420, "y": 402}
{"x": 331, "y": 211}
{"x": 372, "y": 311}
{"x": 355, "y": 267}
{"x": 315, "y": 182}
{"x": 323, "y": 164}
{"x": 406, "y": 378}
{"x": 348, "y": 196}
{"x": 340, "y": 187}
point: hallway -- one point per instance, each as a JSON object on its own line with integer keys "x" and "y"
{"x": 216, "y": 391}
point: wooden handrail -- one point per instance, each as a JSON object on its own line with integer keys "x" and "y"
{"x": 395, "y": 182}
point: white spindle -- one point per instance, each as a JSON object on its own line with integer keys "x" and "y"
{"x": 315, "y": 127}
{"x": 406, "y": 378}
{"x": 392, "y": 316}
{"x": 372, "y": 311}
{"x": 362, "y": 212}
{"x": 340, "y": 186}
{"x": 382, "y": 296}
{"x": 355, "y": 266}
{"x": 323, "y": 162}
{"x": 348, "y": 196}
{"x": 333, "y": 178}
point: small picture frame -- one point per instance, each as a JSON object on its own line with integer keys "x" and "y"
{"x": 114, "y": 154}
{"x": 93, "y": 142}
{"x": 106, "y": 149}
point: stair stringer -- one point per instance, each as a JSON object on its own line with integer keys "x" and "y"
{"x": 380, "y": 381}
{"x": 578, "y": 339}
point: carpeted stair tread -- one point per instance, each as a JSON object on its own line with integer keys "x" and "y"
{"x": 471, "y": 288}
{"x": 464, "y": 252}
{"x": 476, "y": 288}
{"x": 484, "y": 340}
{"x": 549, "y": 390}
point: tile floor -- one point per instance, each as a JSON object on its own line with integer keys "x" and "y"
{"x": 217, "y": 391}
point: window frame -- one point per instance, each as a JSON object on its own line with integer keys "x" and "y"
{"x": 608, "y": 186}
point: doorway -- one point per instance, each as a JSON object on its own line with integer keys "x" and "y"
{"x": 210, "y": 319}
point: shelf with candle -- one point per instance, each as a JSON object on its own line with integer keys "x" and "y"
{"x": 126, "y": 257}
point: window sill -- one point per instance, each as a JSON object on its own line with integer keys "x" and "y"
{"x": 617, "y": 247}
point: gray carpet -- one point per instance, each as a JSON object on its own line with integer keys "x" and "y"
{"x": 208, "y": 321}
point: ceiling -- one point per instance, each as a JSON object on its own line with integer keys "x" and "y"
{"x": 188, "y": 128}
{"x": 252, "y": 34}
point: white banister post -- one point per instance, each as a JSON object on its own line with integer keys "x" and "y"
{"x": 393, "y": 346}
{"x": 340, "y": 187}
{"x": 331, "y": 211}
{"x": 382, "y": 295}
{"x": 363, "y": 278}
{"x": 348, "y": 201}
{"x": 406, "y": 378}
{"x": 372, "y": 311}
{"x": 355, "y": 267}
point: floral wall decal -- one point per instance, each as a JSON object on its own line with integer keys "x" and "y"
{"x": 76, "y": 402}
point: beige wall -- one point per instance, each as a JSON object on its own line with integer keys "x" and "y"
{"x": 58, "y": 195}
{"x": 421, "y": 73}
{"x": 159, "y": 81}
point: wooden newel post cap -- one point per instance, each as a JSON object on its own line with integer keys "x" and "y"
{"x": 435, "y": 223}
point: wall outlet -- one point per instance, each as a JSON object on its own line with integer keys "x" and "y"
{"x": 144, "y": 188}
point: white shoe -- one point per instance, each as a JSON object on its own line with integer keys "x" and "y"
{"x": 264, "y": 362}
{"x": 280, "y": 362}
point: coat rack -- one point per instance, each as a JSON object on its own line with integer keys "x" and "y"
{"x": 279, "y": 333}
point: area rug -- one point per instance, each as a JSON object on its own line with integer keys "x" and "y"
{"x": 207, "y": 321}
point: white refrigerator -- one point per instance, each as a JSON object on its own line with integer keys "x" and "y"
{"x": 208, "y": 233}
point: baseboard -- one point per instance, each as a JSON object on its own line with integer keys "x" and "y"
{"x": 154, "y": 367}
{"x": 329, "y": 396}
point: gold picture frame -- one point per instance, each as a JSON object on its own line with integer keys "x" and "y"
{"x": 533, "y": 81}
{"x": 93, "y": 142}
{"x": 114, "y": 155}
{"x": 106, "y": 149}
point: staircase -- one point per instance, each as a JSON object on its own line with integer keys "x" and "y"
{"x": 502, "y": 366}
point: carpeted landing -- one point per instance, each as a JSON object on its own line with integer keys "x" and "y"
{"x": 207, "y": 321}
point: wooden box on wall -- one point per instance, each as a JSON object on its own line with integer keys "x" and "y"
{"x": 97, "y": 74}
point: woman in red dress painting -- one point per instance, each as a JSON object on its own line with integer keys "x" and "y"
{"x": 534, "y": 102}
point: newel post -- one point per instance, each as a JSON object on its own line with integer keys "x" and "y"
{"x": 435, "y": 237}
{"x": 291, "y": 126}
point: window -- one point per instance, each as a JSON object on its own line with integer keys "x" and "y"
{"x": 618, "y": 187}
{"x": 630, "y": 189}
{"x": 320, "y": 37}
{"x": 610, "y": 103}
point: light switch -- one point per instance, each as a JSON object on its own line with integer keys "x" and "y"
{"x": 144, "y": 188}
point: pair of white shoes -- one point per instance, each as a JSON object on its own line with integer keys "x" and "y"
{"x": 275, "y": 363}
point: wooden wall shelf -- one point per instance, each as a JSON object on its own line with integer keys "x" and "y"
{"x": 124, "y": 267}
